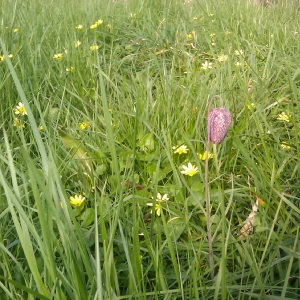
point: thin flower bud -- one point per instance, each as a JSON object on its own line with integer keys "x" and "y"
{"x": 219, "y": 120}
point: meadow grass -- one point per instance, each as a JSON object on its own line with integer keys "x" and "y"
{"x": 106, "y": 108}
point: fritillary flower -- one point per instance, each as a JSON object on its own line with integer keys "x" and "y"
{"x": 219, "y": 120}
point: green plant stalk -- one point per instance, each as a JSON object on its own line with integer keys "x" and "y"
{"x": 210, "y": 254}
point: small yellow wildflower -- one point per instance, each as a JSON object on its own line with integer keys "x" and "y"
{"x": 272, "y": 36}
{"x": 212, "y": 35}
{"x": 222, "y": 58}
{"x": 190, "y": 36}
{"x": 77, "y": 44}
{"x": 203, "y": 156}
{"x": 99, "y": 22}
{"x": 68, "y": 70}
{"x": 238, "y": 52}
{"x": 40, "y": 128}
{"x": 213, "y": 44}
{"x": 93, "y": 26}
{"x": 15, "y": 30}
{"x": 132, "y": 15}
{"x": 77, "y": 200}
{"x": 284, "y": 117}
{"x": 249, "y": 106}
{"x": 79, "y": 27}
{"x": 237, "y": 63}
{"x": 181, "y": 149}
{"x": 285, "y": 145}
{"x": 195, "y": 18}
{"x": 20, "y": 109}
{"x": 58, "y": 56}
{"x": 18, "y": 123}
{"x": 84, "y": 125}
{"x": 189, "y": 170}
{"x": 95, "y": 47}
{"x": 2, "y": 58}
{"x": 159, "y": 198}
{"x": 210, "y": 15}
{"x": 206, "y": 65}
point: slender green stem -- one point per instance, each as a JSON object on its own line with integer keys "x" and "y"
{"x": 207, "y": 198}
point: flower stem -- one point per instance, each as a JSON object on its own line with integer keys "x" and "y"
{"x": 207, "y": 197}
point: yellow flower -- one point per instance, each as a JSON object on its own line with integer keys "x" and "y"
{"x": 20, "y": 109}
{"x": 249, "y": 106}
{"x": 95, "y": 47}
{"x": 211, "y": 15}
{"x": 212, "y": 35}
{"x": 71, "y": 69}
{"x": 237, "y": 63}
{"x": 190, "y": 36}
{"x": 132, "y": 15}
{"x": 2, "y": 58}
{"x": 189, "y": 170}
{"x": 99, "y": 22}
{"x": 206, "y": 65}
{"x": 285, "y": 145}
{"x": 222, "y": 58}
{"x": 203, "y": 156}
{"x": 79, "y": 27}
{"x": 238, "y": 52}
{"x": 18, "y": 123}
{"x": 77, "y": 44}
{"x": 15, "y": 30}
{"x": 40, "y": 128}
{"x": 195, "y": 18}
{"x": 58, "y": 56}
{"x": 284, "y": 117}
{"x": 181, "y": 149}
{"x": 159, "y": 198}
{"x": 93, "y": 26}
{"x": 84, "y": 125}
{"x": 77, "y": 200}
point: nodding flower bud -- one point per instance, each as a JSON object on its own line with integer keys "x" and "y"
{"x": 219, "y": 120}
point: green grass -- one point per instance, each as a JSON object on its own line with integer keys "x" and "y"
{"x": 142, "y": 92}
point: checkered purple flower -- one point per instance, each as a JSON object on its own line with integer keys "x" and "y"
{"x": 219, "y": 120}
